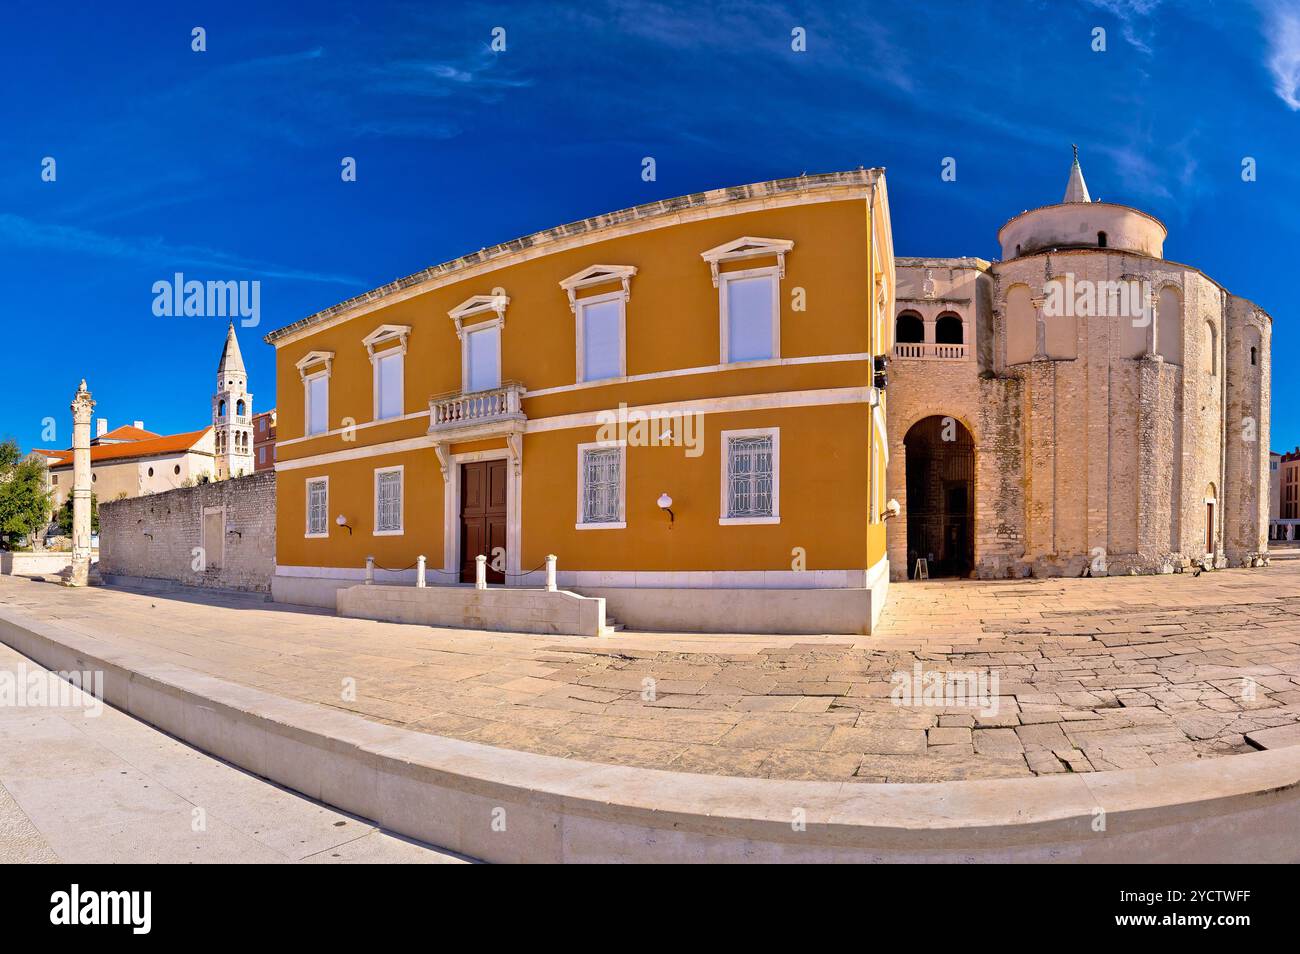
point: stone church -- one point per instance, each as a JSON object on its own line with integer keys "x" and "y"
{"x": 1083, "y": 406}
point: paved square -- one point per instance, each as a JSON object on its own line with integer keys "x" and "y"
{"x": 1090, "y": 674}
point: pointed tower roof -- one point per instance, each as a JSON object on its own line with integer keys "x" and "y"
{"x": 231, "y": 359}
{"x": 1077, "y": 189}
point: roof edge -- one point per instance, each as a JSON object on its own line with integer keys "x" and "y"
{"x": 663, "y": 207}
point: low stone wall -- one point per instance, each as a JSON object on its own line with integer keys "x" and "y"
{"x": 217, "y": 535}
{"x": 801, "y": 612}
{"x": 500, "y": 608}
{"x": 455, "y": 794}
{"x": 45, "y": 563}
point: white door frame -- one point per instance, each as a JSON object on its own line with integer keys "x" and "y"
{"x": 451, "y": 512}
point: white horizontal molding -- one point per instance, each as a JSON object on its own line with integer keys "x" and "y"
{"x": 703, "y": 369}
{"x": 722, "y": 405}
{"x": 718, "y": 405}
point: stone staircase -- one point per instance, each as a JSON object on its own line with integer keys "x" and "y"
{"x": 612, "y": 626}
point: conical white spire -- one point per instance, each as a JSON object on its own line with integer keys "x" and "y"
{"x": 231, "y": 359}
{"x": 1077, "y": 189}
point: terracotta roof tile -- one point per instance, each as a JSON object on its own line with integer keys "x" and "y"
{"x": 171, "y": 444}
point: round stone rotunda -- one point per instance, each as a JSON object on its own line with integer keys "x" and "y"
{"x": 1083, "y": 406}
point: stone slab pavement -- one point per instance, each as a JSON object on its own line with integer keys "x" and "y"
{"x": 1034, "y": 676}
{"x": 100, "y": 788}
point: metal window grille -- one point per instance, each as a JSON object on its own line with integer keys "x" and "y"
{"x": 749, "y": 476}
{"x": 317, "y": 517}
{"x": 600, "y": 486}
{"x": 388, "y": 509}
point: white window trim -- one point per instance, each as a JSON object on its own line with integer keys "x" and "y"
{"x": 598, "y": 275}
{"x": 500, "y": 325}
{"x": 399, "y": 469}
{"x": 479, "y": 305}
{"x": 621, "y": 523}
{"x": 724, "y": 333}
{"x": 723, "y": 519}
{"x": 307, "y": 403}
{"x": 311, "y": 359}
{"x": 747, "y": 247}
{"x": 383, "y": 335}
{"x": 580, "y": 335}
{"x": 307, "y": 507}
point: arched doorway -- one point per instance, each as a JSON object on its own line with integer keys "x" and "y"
{"x": 940, "y": 461}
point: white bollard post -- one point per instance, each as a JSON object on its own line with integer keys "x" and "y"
{"x": 370, "y": 570}
{"x": 480, "y": 572}
{"x": 419, "y": 571}
{"x": 550, "y": 572}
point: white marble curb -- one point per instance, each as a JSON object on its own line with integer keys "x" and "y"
{"x": 455, "y": 794}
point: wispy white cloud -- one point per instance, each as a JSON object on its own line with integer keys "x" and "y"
{"x": 1282, "y": 32}
{"x": 1134, "y": 17}
{"x": 15, "y": 230}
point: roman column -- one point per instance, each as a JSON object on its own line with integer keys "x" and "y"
{"x": 83, "y": 406}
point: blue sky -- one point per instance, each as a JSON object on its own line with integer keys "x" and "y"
{"x": 225, "y": 164}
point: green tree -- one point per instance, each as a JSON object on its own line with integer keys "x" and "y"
{"x": 24, "y": 502}
{"x": 65, "y": 515}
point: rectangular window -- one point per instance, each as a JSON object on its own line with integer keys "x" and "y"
{"x": 600, "y": 331}
{"x": 750, "y": 315}
{"x": 388, "y": 501}
{"x": 388, "y": 379}
{"x": 751, "y": 477}
{"x": 318, "y": 404}
{"x": 261, "y": 455}
{"x": 318, "y": 507}
{"x": 600, "y": 487}
{"x": 483, "y": 359}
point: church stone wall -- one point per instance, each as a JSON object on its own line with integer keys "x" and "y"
{"x": 155, "y": 536}
{"x": 1100, "y": 457}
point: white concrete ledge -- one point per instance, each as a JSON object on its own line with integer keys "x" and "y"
{"x": 504, "y": 609}
{"x": 1240, "y": 808}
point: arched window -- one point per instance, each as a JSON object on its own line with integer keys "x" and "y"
{"x": 221, "y": 408}
{"x": 1101, "y": 239}
{"x": 909, "y": 329}
{"x": 948, "y": 330}
{"x": 239, "y": 407}
{"x": 1252, "y": 354}
{"x": 1169, "y": 325}
{"x": 1211, "y": 362}
{"x": 1021, "y": 327}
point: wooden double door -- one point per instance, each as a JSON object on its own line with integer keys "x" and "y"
{"x": 483, "y": 517}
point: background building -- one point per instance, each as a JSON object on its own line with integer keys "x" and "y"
{"x": 264, "y": 440}
{"x": 1032, "y": 439}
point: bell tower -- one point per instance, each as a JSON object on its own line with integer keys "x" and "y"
{"x": 232, "y": 413}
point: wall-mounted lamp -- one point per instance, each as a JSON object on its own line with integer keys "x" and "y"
{"x": 342, "y": 521}
{"x": 236, "y": 533}
{"x": 147, "y": 534}
{"x": 892, "y": 509}
{"x": 666, "y": 503}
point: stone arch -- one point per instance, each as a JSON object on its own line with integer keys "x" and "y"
{"x": 939, "y": 475}
{"x": 909, "y": 328}
{"x": 239, "y": 407}
{"x": 948, "y": 329}
{"x": 1021, "y": 325}
{"x": 1210, "y": 342}
{"x": 1169, "y": 324}
{"x": 221, "y": 408}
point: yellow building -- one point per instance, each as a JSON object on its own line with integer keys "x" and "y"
{"x": 678, "y": 400}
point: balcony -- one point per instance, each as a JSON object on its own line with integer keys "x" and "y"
{"x": 928, "y": 351}
{"x": 462, "y": 416}
{"x": 497, "y": 410}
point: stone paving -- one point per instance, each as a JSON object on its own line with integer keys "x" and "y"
{"x": 1082, "y": 675}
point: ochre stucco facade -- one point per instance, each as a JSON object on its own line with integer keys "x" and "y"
{"x": 805, "y": 413}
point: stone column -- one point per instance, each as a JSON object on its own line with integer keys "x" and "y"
{"x": 83, "y": 406}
